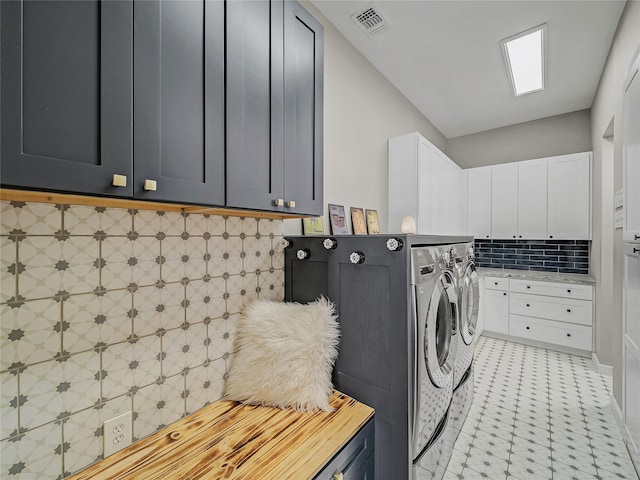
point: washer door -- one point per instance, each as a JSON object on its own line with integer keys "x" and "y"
{"x": 469, "y": 297}
{"x": 441, "y": 324}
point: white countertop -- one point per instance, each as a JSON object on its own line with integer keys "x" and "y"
{"x": 542, "y": 276}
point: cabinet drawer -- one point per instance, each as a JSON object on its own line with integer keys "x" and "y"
{"x": 496, "y": 283}
{"x": 552, "y": 289}
{"x": 549, "y": 331}
{"x": 350, "y": 460}
{"x": 552, "y": 308}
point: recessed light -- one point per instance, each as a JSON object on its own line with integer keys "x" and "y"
{"x": 524, "y": 57}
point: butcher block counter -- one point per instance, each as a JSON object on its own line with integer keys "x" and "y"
{"x": 229, "y": 440}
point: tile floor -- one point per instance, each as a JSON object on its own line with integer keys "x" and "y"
{"x": 538, "y": 415}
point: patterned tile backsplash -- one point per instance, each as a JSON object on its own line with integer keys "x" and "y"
{"x": 560, "y": 256}
{"x": 106, "y": 310}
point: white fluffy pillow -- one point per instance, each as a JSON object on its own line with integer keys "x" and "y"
{"x": 285, "y": 354}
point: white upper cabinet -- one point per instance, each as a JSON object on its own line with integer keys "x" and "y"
{"x": 504, "y": 201}
{"x": 532, "y": 199}
{"x": 569, "y": 197}
{"x": 631, "y": 152}
{"x": 425, "y": 184}
{"x": 479, "y": 202}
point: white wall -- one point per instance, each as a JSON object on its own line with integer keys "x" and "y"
{"x": 607, "y": 106}
{"x": 557, "y": 135}
{"x": 362, "y": 110}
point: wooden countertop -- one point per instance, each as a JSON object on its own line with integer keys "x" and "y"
{"x": 229, "y": 440}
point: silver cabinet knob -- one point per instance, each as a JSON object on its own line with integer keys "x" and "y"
{"x": 303, "y": 254}
{"x": 291, "y": 204}
{"x": 278, "y": 202}
{"x": 356, "y": 257}
{"x": 150, "y": 185}
{"x": 119, "y": 180}
{"x": 394, "y": 244}
{"x": 330, "y": 243}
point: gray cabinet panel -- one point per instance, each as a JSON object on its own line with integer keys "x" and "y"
{"x": 274, "y": 139}
{"x": 66, "y": 95}
{"x": 303, "y": 94}
{"x": 179, "y": 100}
{"x": 254, "y": 104}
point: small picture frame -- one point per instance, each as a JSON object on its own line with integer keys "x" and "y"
{"x": 358, "y": 221}
{"x": 373, "y": 227}
{"x": 313, "y": 226}
{"x": 337, "y": 220}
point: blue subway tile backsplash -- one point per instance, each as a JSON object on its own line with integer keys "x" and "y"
{"x": 560, "y": 256}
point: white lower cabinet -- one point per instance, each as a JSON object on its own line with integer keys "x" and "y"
{"x": 496, "y": 305}
{"x": 550, "y": 312}
{"x": 550, "y": 331}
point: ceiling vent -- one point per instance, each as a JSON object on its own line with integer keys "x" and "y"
{"x": 371, "y": 21}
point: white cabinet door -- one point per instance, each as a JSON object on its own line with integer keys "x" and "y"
{"x": 532, "y": 199}
{"x": 479, "y": 202}
{"x": 569, "y": 196}
{"x": 504, "y": 201}
{"x": 631, "y": 345}
{"x": 496, "y": 311}
{"x": 631, "y": 152}
{"x": 425, "y": 184}
{"x": 480, "y": 324}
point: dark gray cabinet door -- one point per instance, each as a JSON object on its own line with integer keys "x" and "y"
{"x": 255, "y": 104}
{"x": 274, "y": 107}
{"x": 303, "y": 94}
{"x": 66, "y": 95}
{"x": 179, "y": 100}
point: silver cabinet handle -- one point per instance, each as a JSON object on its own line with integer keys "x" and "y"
{"x": 278, "y": 202}
{"x": 394, "y": 244}
{"x": 302, "y": 254}
{"x": 119, "y": 180}
{"x": 330, "y": 243}
{"x": 150, "y": 185}
{"x": 356, "y": 258}
{"x": 291, "y": 204}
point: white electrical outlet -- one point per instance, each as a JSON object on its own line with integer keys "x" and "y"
{"x": 117, "y": 433}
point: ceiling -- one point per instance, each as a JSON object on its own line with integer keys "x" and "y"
{"x": 445, "y": 55}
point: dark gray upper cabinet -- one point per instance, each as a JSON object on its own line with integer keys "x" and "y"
{"x": 274, "y": 107}
{"x": 255, "y": 104}
{"x": 179, "y": 101}
{"x": 66, "y": 95}
{"x": 93, "y": 89}
{"x": 303, "y": 115}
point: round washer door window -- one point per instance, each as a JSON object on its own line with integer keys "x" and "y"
{"x": 469, "y": 298}
{"x": 442, "y": 318}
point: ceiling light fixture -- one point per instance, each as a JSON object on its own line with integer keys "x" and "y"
{"x": 524, "y": 57}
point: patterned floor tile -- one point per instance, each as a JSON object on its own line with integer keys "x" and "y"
{"x": 563, "y": 426}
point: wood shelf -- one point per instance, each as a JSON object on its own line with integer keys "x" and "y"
{"x": 69, "y": 199}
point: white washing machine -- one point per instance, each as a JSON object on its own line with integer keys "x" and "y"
{"x": 436, "y": 313}
{"x": 468, "y": 293}
{"x": 468, "y": 299}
